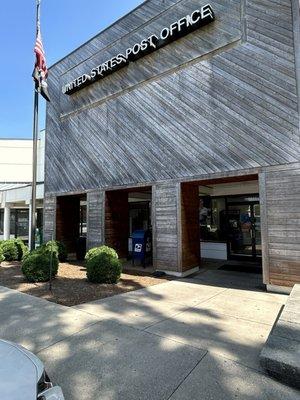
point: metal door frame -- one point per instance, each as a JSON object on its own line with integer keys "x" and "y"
{"x": 254, "y": 256}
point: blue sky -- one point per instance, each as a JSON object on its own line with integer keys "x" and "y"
{"x": 65, "y": 25}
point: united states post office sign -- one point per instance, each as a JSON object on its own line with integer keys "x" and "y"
{"x": 177, "y": 29}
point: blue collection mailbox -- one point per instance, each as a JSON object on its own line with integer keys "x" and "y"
{"x": 141, "y": 246}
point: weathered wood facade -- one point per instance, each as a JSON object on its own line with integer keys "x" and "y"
{"x": 95, "y": 218}
{"x": 190, "y": 228}
{"x": 282, "y": 204}
{"x": 221, "y": 101}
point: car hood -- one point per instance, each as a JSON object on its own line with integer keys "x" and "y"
{"x": 20, "y": 371}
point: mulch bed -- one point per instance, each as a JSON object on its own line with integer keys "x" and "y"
{"x": 71, "y": 287}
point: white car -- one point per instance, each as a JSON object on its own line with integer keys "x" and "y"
{"x": 23, "y": 376}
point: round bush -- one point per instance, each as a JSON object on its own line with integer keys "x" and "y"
{"x": 103, "y": 268}
{"x": 1, "y": 256}
{"x": 57, "y": 247}
{"x": 9, "y": 250}
{"x": 62, "y": 251}
{"x": 22, "y": 249}
{"x": 36, "y": 266}
{"x": 99, "y": 250}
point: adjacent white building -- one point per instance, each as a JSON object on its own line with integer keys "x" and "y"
{"x": 15, "y": 186}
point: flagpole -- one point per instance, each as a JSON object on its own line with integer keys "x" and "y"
{"x": 34, "y": 150}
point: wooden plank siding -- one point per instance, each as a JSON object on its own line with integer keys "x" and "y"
{"x": 283, "y": 231}
{"x": 166, "y": 240}
{"x": 190, "y": 227}
{"x": 176, "y": 227}
{"x": 205, "y": 104}
{"x": 221, "y": 102}
{"x": 95, "y": 218}
{"x": 49, "y": 218}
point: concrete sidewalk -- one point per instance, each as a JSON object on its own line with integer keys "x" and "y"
{"x": 196, "y": 338}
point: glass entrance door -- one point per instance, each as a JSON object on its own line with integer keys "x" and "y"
{"x": 243, "y": 229}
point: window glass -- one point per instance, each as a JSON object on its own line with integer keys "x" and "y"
{"x": 241, "y": 199}
{"x": 139, "y": 216}
{"x": 13, "y": 222}
{"x": 22, "y": 223}
{"x": 82, "y": 225}
{"x": 39, "y": 216}
{"x": 212, "y": 212}
{"x": 1, "y": 221}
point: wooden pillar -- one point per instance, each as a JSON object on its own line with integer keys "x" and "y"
{"x": 49, "y": 218}
{"x": 165, "y": 202}
{"x": 176, "y": 228}
{"x": 95, "y": 218}
{"x": 280, "y": 190}
{"x": 117, "y": 221}
{"x": 190, "y": 226}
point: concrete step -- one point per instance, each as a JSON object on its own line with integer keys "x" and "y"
{"x": 280, "y": 356}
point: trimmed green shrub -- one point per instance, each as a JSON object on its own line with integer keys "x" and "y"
{"x": 22, "y": 249}
{"x": 62, "y": 251}
{"x": 98, "y": 250}
{"x": 57, "y": 247}
{"x": 36, "y": 265}
{"x": 103, "y": 268}
{"x": 9, "y": 250}
{"x": 1, "y": 256}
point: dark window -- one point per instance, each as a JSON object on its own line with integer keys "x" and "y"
{"x": 82, "y": 223}
{"x": 139, "y": 216}
{"x": 211, "y": 218}
{"x": 1, "y": 221}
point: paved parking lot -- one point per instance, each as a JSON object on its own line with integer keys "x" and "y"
{"x": 196, "y": 338}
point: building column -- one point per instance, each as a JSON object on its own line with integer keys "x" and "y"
{"x": 166, "y": 254}
{"x": 189, "y": 226}
{"x": 49, "y": 218}
{"x": 95, "y": 219}
{"x": 6, "y": 223}
{"x": 176, "y": 239}
{"x": 280, "y": 226}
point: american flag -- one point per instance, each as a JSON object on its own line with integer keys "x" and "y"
{"x": 40, "y": 72}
